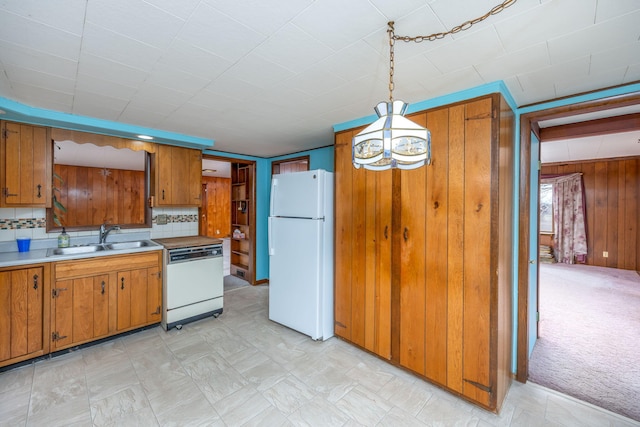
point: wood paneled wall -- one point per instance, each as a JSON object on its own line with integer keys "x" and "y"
{"x": 95, "y": 196}
{"x": 218, "y": 206}
{"x": 612, "y": 190}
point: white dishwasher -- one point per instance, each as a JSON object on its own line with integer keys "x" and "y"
{"x": 193, "y": 280}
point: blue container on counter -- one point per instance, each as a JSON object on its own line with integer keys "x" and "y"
{"x": 23, "y": 244}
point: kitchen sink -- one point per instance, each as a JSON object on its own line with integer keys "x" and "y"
{"x": 75, "y": 250}
{"x": 128, "y": 245}
{"x": 88, "y": 249}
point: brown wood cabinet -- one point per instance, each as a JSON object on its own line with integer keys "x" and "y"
{"x": 23, "y": 313}
{"x": 103, "y": 296}
{"x": 242, "y": 221}
{"x": 26, "y": 165}
{"x": 177, "y": 176}
{"x": 423, "y": 261}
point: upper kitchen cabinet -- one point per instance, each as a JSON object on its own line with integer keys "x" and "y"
{"x": 176, "y": 177}
{"x": 423, "y": 260}
{"x": 26, "y": 165}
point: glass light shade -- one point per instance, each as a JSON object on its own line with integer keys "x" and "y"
{"x": 392, "y": 141}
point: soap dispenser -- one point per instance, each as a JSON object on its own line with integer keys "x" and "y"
{"x": 63, "y": 239}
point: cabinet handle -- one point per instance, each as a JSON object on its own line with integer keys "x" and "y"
{"x": 35, "y": 282}
{"x": 386, "y": 232}
{"x": 406, "y": 234}
{"x": 122, "y": 283}
{"x": 39, "y": 193}
{"x": 162, "y": 194}
{"x": 5, "y": 190}
{"x": 102, "y": 288}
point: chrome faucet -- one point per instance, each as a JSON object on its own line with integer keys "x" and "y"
{"x": 104, "y": 231}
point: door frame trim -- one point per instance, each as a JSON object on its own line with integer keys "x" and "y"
{"x": 529, "y": 122}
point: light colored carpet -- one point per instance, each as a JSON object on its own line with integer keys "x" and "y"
{"x": 233, "y": 282}
{"x": 589, "y": 345}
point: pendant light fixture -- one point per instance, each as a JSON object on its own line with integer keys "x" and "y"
{"x": 393, "y": 141}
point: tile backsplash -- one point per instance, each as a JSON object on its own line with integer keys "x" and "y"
{"x": 30, "y": 222}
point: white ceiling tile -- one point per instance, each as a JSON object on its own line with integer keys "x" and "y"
{"x": 92, "y": 84}
{"x": 606, "y": 78}
{"x": 604, "y": 36}
{"x": 115, "y": 47}
{"x": 176, "y": 79}
{"x": 546, "y": 77}
{"x": 149, "y": 95}
{"x": 528, "y": 59}
{"x": 632, "y": 74}
{"x": 194, "y": 60}
{"x": 467, "y": 10}
{"x": 23, "y": 57}
{"x": 105, "y": 69}
{"x": 393, "y": 9}
{"x": 42, "y": 97}
{"x": 135, "y": 19}
{"x": 608, "y": 9}
{"x": 261, "y": 15}
{"x": 465, "y": 51}
{"x": 141, "y": 116}
{"x": 315, "y": 81}
{"x": 97, "y": 105}
{"x": 618, "y": 56}
{"x": 454, "y": 81}
{"x": 38, "y": 78}
{"x": 293, "y": 49}
{"x": 215, "y": 32}
{"x": 547, "y": 21}
{"x": 65, "y": 15}
{"x": 270, "y": 73}
{"x": 39, "y": 37}
{"x": 360, "y": 56}
{"x": 182, "y": 9}
{"x": 357, "y": 19}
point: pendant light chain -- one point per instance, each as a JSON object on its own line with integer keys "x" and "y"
{"x": 392, "y": 42}
{"x": 462, "y": 27}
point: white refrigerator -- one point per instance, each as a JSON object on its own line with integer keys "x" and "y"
{"x": 301, "y": 252}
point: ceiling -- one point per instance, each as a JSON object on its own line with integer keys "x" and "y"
{"x": 267, "y": 78}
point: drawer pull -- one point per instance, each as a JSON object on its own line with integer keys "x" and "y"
{"x": 122, "y": 283}
{"x": 102, "y": 284}
{"x": 35, "y": 282}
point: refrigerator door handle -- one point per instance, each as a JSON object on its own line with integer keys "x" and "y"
{"x": 270, "y": 237}
{"x": 274, "y": 188}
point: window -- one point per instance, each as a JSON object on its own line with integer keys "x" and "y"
{"x": 546, "y": 208}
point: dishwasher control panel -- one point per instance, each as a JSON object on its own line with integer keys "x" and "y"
{"x": 194, "y": 253}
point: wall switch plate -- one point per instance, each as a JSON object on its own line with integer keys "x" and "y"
{"x": 161, "y": 219}
{"x": 605, "y": 254}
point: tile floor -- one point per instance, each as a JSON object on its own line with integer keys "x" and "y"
{"x": 243, "y": 370}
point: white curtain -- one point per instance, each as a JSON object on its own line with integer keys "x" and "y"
{"x": 570, "y": 235}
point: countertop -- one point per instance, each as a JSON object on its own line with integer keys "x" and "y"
{"x": 187, "y": 241}
{"x": 38, "y": 252}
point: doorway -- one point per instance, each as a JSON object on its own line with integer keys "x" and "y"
{"x": 530, "y": 134}
{"x": 228, "y": 213}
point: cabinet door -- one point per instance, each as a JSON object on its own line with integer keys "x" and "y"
{"x": 139, "y": 286}
{"x": 100, "y": 305}
{"x": 477, "y": 252}
{"x": 27, "y": 170}
{"x": 164, "y": 187}
{"x": 363, "y": 253}
{"x": 124, "y": 300}
{"x": 154, "y": 295}
{"x": 62, "y": 314}
{"x": 21, "y": 311}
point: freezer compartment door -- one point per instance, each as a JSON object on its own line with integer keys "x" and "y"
{"x": 296, "y": 274}
{"x": 298, "y": 194}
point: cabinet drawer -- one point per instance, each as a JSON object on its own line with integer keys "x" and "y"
{"x": 105, "y": 264}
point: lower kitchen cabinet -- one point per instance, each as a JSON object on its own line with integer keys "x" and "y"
{"x": 423, "y": 259}
{"x": 23, "y": 313}
{"x": 98, "y": 297}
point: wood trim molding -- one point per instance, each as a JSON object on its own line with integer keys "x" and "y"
{"x": 101, "y": 140}
{"x": 609, "y": 125}
{"x": 528, "y": 123}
